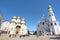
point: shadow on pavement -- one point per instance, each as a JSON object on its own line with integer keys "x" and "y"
{"x": 55, "y": 37}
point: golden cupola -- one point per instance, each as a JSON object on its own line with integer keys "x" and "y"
{"x": 49, "y": 6}
{"x": 14, "y": 17}
{"x": 23, "y": 19}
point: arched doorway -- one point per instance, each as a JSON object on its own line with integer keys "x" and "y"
{"x": 17, "y": 29}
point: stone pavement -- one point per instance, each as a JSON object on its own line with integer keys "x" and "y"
{"x": 31, "y": 37}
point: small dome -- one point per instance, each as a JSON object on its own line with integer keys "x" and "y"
{"x": 18, "y": 17}
{"x": 23, "y": 19}
{"x": 14, "y": 17}
{"x": 49, "y": 6}
{"x": 43, "y": 16}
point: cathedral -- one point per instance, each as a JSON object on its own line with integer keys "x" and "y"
{"x": 50, "y": 26}
{"x": 16, "y": 26}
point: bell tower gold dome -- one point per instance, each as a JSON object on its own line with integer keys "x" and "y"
{"x": 49, "y": 6}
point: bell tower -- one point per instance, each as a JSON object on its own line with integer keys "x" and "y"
{"x": 54, "y": 26}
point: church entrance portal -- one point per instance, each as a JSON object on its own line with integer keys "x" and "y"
{"x": 17, "y": 29}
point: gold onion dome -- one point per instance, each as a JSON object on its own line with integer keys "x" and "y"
{"x": 18, "y": 17}
{"x": 49, "y": 6}
{"x": 14, "y": 17}
{"x": 23, "y": 19}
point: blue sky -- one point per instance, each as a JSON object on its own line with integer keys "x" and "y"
{"x": 31, "y": 10}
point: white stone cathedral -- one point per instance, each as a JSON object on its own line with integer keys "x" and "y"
{"x": 16, "y": 26}
{"x": 48, "y": 27}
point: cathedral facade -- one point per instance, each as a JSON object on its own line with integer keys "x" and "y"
{"x": 50, "y": 26}
{"x": 16, "y": 26}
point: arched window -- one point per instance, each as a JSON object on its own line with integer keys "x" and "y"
{"x": 38, "y": 25}
{"x": 51, "y": 24}
{"x": 55, "y": 23}
{"x": 51, "y": 15}
{"x": 43, "y": 23}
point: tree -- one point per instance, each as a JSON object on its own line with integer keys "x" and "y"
{"x": 35, "y": 33}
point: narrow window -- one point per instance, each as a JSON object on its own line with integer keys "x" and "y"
{"x": 55, "y": 24}
{"x": 43, "y": 23}
{"x": 38, "y": 25}
{"x": 49, "y": 15}
{"x": 51, "y": 24}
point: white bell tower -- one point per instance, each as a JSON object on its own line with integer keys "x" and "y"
{"x": 51, "y": 14}
{"x": 54, "y": 26}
